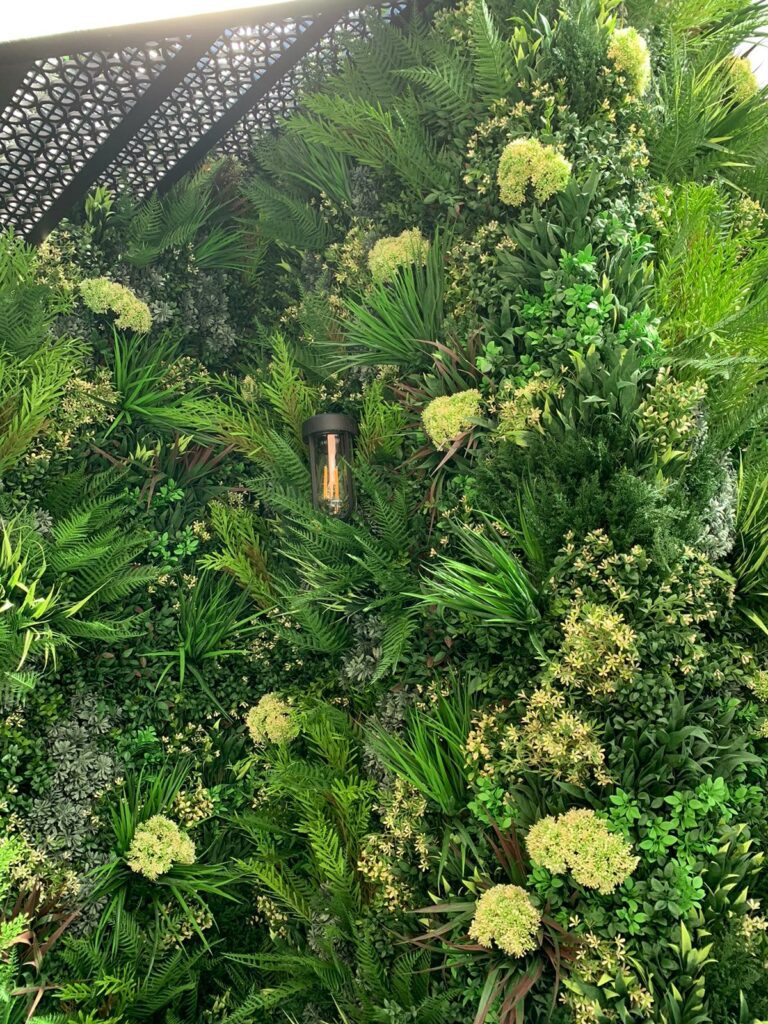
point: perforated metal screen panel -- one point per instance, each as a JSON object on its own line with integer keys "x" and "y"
{"x": 61, "y": 114}
{"x": 143, "y": 112}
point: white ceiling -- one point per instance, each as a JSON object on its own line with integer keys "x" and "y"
{"x": 19, "y": 20}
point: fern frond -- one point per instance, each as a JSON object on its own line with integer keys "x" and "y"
{"x": 285, "y": 218}
{"x": 491, "y": 56}
{"x": 292, "y": 398}
{"x": 448, "y": 84}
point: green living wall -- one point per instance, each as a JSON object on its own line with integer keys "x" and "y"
{"x": 494, "y": 747}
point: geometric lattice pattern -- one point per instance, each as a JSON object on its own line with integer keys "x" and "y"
{"x": 279, "y": 101}
{"x": 144, "y": 113}
{"x": 231, "y": 66}
{"x": 63, "y": 111}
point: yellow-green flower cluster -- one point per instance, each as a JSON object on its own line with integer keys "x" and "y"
{"x": 596, "y": 960}
{"x": 193, "y": 806}
{"x": 505, "y": 916}
{"x": 470, "y": 269}
{"x": 104, "y": 296}
{"x": 448, "y": 416}
{"x": 692, "y": 591}
{"x": 521, "y": 408}
{"x": 669, "y": 415}
{"x": 402, "y": 810}
{"x": 758, "y": 684}
{"x": 25, "y": 868}
{"x": 582, "y": 843}
{"x": 527, "y": 162}
{"x": 389, "y": 254}
{"x": 750, "y": 217}
{"x": 742, "y": 79}
{"x": 559, "y": 742}
{"x": 550, "y": 739}
{"x": 157, "y": 845}
{"x": 598, "y": 653}
{"x": 754, "y": 928}
{"x": 628, "y": 52}
{"x": 86, "y": 402}
{"x": 275, "y": 917}
{"x": 184, "y": 925}
{"x": 347, "y": 262}
{"x": 272, "y": 720}
{"x": 11, "y": 853}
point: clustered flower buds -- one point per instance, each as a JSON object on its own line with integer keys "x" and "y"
{"x": 742, "y": 79}
{"x": 389, "y": 254}
{"x": 628, "y": 52}
{"x": 758, "y": 684}
{"x": 582, "y": 843}
{"x": 504, "y": 915}
{"x": 272, "y": 720}
{"x": 527, "y": 162}
{"x": 104, "y": 296}
{"x": 157, "y": 845}
{"x": 446, "y": 417}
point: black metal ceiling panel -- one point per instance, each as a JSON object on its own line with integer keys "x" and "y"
{"x": 142, "y": 105}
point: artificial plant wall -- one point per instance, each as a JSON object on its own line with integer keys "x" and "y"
{"x": 493, "y": 748}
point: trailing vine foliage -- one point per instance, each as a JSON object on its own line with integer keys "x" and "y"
{"x": 493, "y": 747}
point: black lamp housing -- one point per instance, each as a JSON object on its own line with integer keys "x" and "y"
{"x": 329, "y": 437}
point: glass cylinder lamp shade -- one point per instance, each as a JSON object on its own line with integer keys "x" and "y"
{"x": 329, "y": 437}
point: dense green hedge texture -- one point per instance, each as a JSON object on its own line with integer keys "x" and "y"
{"x": 492, "y": 749}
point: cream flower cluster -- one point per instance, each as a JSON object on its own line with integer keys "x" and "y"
{"x": 758, "y": 684}
{"x": 582, "y": 843}
{"x": 446, "y": 417}
{"x": 104, "y": 296}
{"x": 272, "y": 720}
{"x": 527, "y": 162}
{"x": 389, "y": 254}
{"x": 505, "y": 916}
{"x": 157, "y": 845}
{"x": 742, "y": 79}
{"x": 628, "y": 52}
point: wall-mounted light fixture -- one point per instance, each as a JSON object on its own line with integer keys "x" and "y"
{"x": 329, "y": 437}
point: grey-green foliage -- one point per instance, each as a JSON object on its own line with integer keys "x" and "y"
{"x": 719, "y": 519}
{"x": 81, "y": 765}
